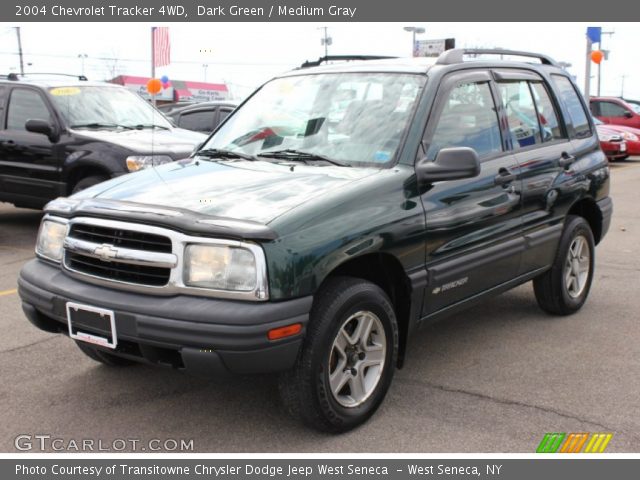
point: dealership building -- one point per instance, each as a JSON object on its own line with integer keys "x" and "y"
{"x": 178, "y": 90}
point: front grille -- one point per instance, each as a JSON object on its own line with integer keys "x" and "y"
{"x": 121, "y": 272}
{"x": 121, "y": 238}
{"x": 113, "y": 269}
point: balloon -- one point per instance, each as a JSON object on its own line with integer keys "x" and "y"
{"x": 164, "y": 79}
{"x": 166, "y": 84}
{"x": 154, "y": 86}
{"x": 597, "y": 56}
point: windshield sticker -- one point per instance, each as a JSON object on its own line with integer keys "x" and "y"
{"x": 381, "y": 156}
{"x": 64, "y": 91}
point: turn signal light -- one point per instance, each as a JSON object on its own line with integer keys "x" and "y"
{"x": 283, "y": 332}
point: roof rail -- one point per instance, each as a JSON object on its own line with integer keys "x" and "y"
{"x": 16, "y": 76}
{"x": 456, "y": 55}
{"x": 10, "y": 76}
{"x": 343, "y": 58}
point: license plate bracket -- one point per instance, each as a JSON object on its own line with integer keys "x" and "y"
{"x": 92, "y": 325}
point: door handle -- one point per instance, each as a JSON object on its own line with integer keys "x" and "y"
{"x": 566, "y": 160}
{"x": 504, "y": 177}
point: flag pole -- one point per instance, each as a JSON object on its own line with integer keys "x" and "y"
{"x": 153, "y": 62}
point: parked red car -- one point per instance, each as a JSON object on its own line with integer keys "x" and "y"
{"x": 611, "y": 142}
{"x": 630, "y": 135}
{"x": 616, "y": 111}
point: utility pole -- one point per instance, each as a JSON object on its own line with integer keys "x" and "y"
{"x": 606, "y": 57}
{"x": 20, "y": 51}
{"x": 326, "y": 41}
{"x": 622, "y": 86}
{"x": 204, "y": 67}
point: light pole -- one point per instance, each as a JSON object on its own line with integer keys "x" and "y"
{"x": 82, "y": 57}
{"x": 326, "y": 40}
{"x": 606, "y": 57}
{"x": 204, "y": 67}
{"x": 414, "y": 31}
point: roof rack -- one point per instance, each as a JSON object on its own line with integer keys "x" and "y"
{"x": 16, "y": 76}
{"x": 456, "y": 55}
{"x": 343, "y": 58}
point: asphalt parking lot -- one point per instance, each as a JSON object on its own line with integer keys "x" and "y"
{"x": 494, "y": 379}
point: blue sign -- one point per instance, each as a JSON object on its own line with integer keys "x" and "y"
{"x": 594, "y": 34}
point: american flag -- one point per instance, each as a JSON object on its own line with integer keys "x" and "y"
{"x": 161, "y": 46}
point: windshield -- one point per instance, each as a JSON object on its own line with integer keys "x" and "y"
{"x": 635, "y": 106}
{"x": 349, "y": 118}
{"x": 105, "y": 106}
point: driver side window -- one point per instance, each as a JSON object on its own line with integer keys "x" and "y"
{"x": 25, "y": 105}
{"x": 468, "y": 119}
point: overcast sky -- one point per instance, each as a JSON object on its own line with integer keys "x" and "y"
{"x": 246, "y": 54}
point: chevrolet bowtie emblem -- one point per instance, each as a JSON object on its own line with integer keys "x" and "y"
{"x": 106, "y": 252}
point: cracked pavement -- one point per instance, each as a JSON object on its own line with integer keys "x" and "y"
{"x": 492, "y": 379}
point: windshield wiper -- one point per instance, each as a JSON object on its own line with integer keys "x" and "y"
{"x": 150, "y": 125}
{"x": 101, "y": 125}
{"x": 292, "y": 154}
{"x": 221, "y": 153}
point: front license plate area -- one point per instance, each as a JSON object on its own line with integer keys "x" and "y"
{"x": 92, "y": 325}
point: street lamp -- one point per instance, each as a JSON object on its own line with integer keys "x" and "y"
{"x": 414, "y": 31}
{"x": 82, "y": 57}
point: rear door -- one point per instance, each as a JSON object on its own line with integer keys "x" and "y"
{"x": 539, "y": 140}
{"x": 474, "y": 233}
{"x": 30, "y": 164}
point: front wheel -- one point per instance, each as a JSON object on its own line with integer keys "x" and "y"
{"x": 564, "y": 288}
{"x": 348, "y": 358}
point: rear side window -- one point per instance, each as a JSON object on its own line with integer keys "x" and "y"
{"x": 547, "y": 114}
{"x": 201, "y": 121}
{"x": 524, "y": 127}
{"x": 610, "y": 109}
{"x": 574, "y": 106}
{"x": 468, "y": 119}
{"x": 25, "y": 105}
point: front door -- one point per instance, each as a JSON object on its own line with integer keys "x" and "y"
{"x": 474, "y": 232}
{"x": 29, "y": 162}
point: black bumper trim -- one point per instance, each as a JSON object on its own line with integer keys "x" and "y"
{"x": 219, "y": 335}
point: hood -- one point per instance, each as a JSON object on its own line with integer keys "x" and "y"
{"x": 176, "y": 142}
{"x": 255, "y": 191}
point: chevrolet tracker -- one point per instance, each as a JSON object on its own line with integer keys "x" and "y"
{"x": 336, "y": 211}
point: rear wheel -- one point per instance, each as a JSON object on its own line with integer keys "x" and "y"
{"x": 348, "y": 358}
{"x": 102, "y": 356}
{"x": 564, "y": 288}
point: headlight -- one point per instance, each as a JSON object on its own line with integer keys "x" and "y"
{"x": 139, "y": 162}
{"x": 50, "y": 240}
{"x": 629, "y": 136}
{"x": 221, "y": 267}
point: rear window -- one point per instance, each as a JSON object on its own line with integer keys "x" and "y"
{"x": 574, "y": 106}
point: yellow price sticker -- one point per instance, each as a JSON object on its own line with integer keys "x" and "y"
{"x": 64, "y": 91}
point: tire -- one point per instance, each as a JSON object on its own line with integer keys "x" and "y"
{"x": 103, "y": 357}
{"x": 87, "y": 182}
{"x": 564, "y": 288}
{"x": 333, "y": 346}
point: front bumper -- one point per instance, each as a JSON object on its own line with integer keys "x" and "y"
{"x": 202, "y": 335}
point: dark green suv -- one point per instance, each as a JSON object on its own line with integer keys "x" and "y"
{"x": 337, "y": 210}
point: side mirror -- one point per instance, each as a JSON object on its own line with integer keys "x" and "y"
{"x": 628, "y": 114}
{"x": 450, "y": 164}
{"x": 43, "y": 127}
